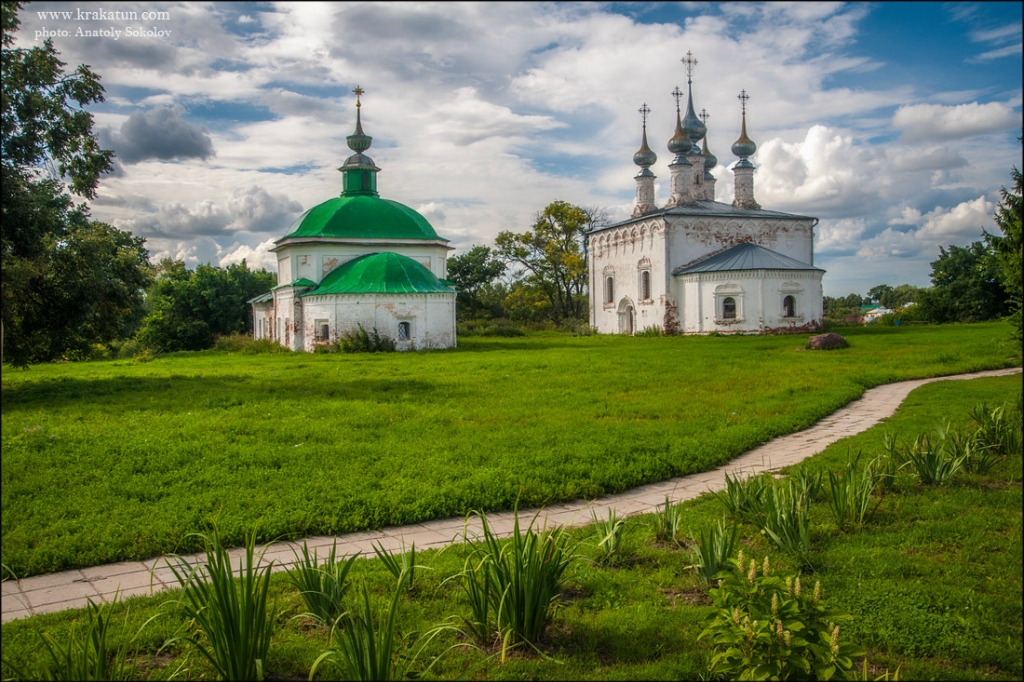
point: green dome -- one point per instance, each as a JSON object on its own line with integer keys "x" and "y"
{"x": 380, "y": 273}
{"x": 362, "y": 217}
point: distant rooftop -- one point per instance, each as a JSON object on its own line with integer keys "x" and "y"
{"x": 709, "y": 208}
{"x": 745, "y": 256}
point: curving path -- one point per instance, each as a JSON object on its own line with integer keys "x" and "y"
{"x": 71, "y": 589}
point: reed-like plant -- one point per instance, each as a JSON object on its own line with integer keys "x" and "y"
{"x": 366, "y": 647}
{"x": 403, "y": 566}
{"x": 322, "y": 586}
{"x": 849, "y": 493}
{"x": 809, "y": 485}
{"x": 742, "y": 496}
{"x": 932, "y": 459}
{"x": 782, "y": 517}
{"x": 996, "y": 437}
{"x": 715, "y": 546}
{"x": 86, "y": 654}
{"x": 668, "y": 522}
{"x": 231, "y": 613}
{"x": 609, "y": 534}
{"x": 514, "y": 584}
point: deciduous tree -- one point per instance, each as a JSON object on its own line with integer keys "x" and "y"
{"x": 1008, "y": 248}
{"x": 473, "y": 274}
{"x": 553, "y": 258}
{"x": 966, "y": 287}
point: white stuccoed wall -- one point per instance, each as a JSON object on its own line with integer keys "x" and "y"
{"x": 431, "y": 317}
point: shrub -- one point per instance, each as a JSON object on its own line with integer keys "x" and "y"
{"x": 321, "y": 586}
{"x": 998, "y": 435}
{"x": 361, "y": 341}
{"x": 652, "y": 330}
{"x": 513, "y": 585}
{"x": 245, "y": 344}
{"x": 766, "y": 627}
{"x": 232, "y": 614}
{"x": 713, "y": 550}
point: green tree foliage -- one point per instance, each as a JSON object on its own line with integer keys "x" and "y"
{"x": 841, "y": 307}
{"x": 878, "y": 292}
{"x": 553, "y": 259}
{"x": 189, "y": 308}
{"x": 899, "y": 296}
{"x": 966, "y": 287}
{"x": 67, "y": 282}
{"x": 474, "y": 274}
{"x": 1008, "y": 249}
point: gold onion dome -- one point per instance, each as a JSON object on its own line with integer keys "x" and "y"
{"x": 645, "y": 156}
{"x": 680, "y": 143}
{"x": 710, "y": 160}
{"x": 744, "y": 146}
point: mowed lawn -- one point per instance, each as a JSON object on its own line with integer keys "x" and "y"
{"x": 117, "y": 460}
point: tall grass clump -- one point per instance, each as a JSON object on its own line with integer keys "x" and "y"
{"x": 742, "y": 496}
{"x": 653, "y": 330}
{"x": 849, "y": 493}
{"x": 668, "y": 522}
{"x": 782, "y": 517}
{"x": 322, "y": 586}
{"x": 609, "y": 534}
{"x": 766, "y": 626}
{"x": 403, "y": 566}
{"x": 245, "y": 344}
{"x": 84, "y": 655}
{"x": 714, "y": 548}
{"x": 513, "y": 585}
{"x": 365, "y": 645}
{"x": 231, "y": 614}
{"x": 934, "y": 459}
{"x": 997, "y": 435}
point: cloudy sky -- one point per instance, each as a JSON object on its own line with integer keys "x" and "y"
{"x": 894, "y": 123}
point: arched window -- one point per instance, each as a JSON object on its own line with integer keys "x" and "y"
{"x": 325, "y": 332}
{"x": 789, "y": 306}
{"x": 729, "y": 308}
{"x": 645, "y": 285}
{"x": 404, "y": 331}
{"x": 609, "y": 289}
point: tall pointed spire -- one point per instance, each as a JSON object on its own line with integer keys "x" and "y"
{"x": 644, "y": 158}
{"x": 359, "y": 172}
{"x": 744, "y": 170}
{"x": 710, "y": 161}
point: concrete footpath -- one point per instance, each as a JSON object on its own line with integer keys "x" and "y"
{"x": 71, "y": 589}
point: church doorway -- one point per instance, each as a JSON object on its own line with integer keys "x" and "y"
{"x": 627, "y": 316}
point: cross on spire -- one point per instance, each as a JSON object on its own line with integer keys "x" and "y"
{"x": 743, "y": 97}
{"x": 690, "y": 63}
{"x": 358, "y": 92}
{"x": 644, "y": 110}
{"x": 677, "y": 93}
{"x": 704, "y": 116}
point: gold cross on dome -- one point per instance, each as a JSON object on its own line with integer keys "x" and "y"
{"x": 690, "y": 63}
{"x": 358, "y": 91}
{"x": 743, "y": 97}
{"x": 644, "y": 110}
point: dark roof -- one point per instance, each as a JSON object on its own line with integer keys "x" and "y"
{"x": 745, "y": 256}
{"x": 711, "y": 209}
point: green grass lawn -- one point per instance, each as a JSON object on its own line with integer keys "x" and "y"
{"x": 107, "y": 461}
{"x": 933, "y": 582}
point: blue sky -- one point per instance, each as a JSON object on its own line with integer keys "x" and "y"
{"x": 894, "y": 123}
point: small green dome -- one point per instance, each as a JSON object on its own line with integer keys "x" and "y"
{"x": 362, "y": 217}
{"x": 380, "y": 273}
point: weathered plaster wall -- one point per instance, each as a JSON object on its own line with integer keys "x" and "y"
{"x": 315, "y": 260}
{"x": 758, "y": 295}
{"x": 431, "y": 318}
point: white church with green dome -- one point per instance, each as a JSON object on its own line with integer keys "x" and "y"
{"x": 358, "y": 259}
